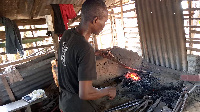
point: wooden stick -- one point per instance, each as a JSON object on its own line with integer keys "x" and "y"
{"x": 55, "y": 43}
{"x": 7, "y": 87}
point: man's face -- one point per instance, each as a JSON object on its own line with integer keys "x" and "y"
{"x": 100, "y": 23}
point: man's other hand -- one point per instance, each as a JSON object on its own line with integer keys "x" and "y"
{"x": 88, "y": 92}
{"x": 111, "y": 92}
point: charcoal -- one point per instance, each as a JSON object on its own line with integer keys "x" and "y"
{"x": 148, "y": 85}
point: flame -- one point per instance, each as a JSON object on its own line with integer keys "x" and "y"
{"x": 133, "y": 76}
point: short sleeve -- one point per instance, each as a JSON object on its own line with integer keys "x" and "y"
{"x": 87, "y": 65}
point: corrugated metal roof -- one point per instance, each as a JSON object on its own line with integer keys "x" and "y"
{"x": 162, "y": 43}
{"x": 27, "y": 9}
{"x": 36, "y": 75}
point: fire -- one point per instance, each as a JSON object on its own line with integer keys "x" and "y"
{"x": 133, "y": 76}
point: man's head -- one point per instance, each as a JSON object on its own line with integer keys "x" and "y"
{"x": 96, "y": 13}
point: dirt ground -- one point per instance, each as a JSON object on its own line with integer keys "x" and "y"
{"x": 192, "y": 106}
{"x": 193, "y": 102}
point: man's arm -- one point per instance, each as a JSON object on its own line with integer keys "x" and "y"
{"x": 88, "y": 92}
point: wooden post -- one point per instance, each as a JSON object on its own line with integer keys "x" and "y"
{"x": 190, "y": 24}
{"x": 95, "y": 42}
{"x": 55, "y": 43}
{"x": 121, "y": 33}
{"x": 122, "y": 19}
{"x": 111, "y": 24}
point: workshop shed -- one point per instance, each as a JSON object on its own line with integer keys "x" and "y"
{"x": 160, "y": 36}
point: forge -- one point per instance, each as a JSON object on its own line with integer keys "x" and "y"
{"x": 141, "y": 86}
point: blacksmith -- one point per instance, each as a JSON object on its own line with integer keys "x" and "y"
{"x": 77, "y": 64}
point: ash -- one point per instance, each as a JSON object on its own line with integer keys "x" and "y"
{"x": 150, "y": 86}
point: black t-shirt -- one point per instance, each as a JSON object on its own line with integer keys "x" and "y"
{"x": 76, "y": 62}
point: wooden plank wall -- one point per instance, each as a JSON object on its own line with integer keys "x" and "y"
{"x": 26, "y": 40}
{"x": 191, "y": 25}
{"x": 121, "y": 28}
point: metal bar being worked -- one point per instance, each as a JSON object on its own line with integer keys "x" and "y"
{"x": 126, "y": 105}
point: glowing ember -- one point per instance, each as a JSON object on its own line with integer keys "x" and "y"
{"x": 133, "y": 76}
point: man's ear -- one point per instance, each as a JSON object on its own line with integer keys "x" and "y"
{"x": 95, "y": 20}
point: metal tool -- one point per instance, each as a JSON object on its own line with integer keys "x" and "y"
{"x": 182, "y": 99}
{"x": 126, "y": 105}
{"x": 154, "y": 105}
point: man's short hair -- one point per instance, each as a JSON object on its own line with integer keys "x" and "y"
{"x": 92, "y": 9}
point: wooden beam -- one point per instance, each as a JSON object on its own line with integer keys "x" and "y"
{"x": 117, "y": 4}
{"x": 36, "y": 29}
{"x": 191, "y": 9}
{"x": 7, "y": 87}
{"x": 26, "y": 40}
{"x": 131, "y": 27}
{"x": 39, "y": 37}
{"x": 2, "y": 35}
{"x": 194, "y": 31}
{"x": 193, "y": 49}
{"x": 193, "y": 42}
{"x": 23, "y": 22}
{"x": 132, "y": 32}
{"x": 192, "y": 38}
{"x": 2, "y": 53}
{"x": 42, "y": 46}
{"x": 35, "y": 37}
{"x": 75, "y": 6}
{"x": 193, "y": 26}
{"x": 125, "y": 11}
{"x": 32, "y": 40}
{"x": 192, "y": 18}
{"x": 188, "y": 14}
{"x": 126, "y": 17}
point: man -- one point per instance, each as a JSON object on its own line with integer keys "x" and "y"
{"x": 76, "y": 61}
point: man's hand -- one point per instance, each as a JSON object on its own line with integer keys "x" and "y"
{"x": 101, "y": 52}
{"x": 88, "y": 92}
{"x": 111, "y": 92}
{"x": 106, "y": 53}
